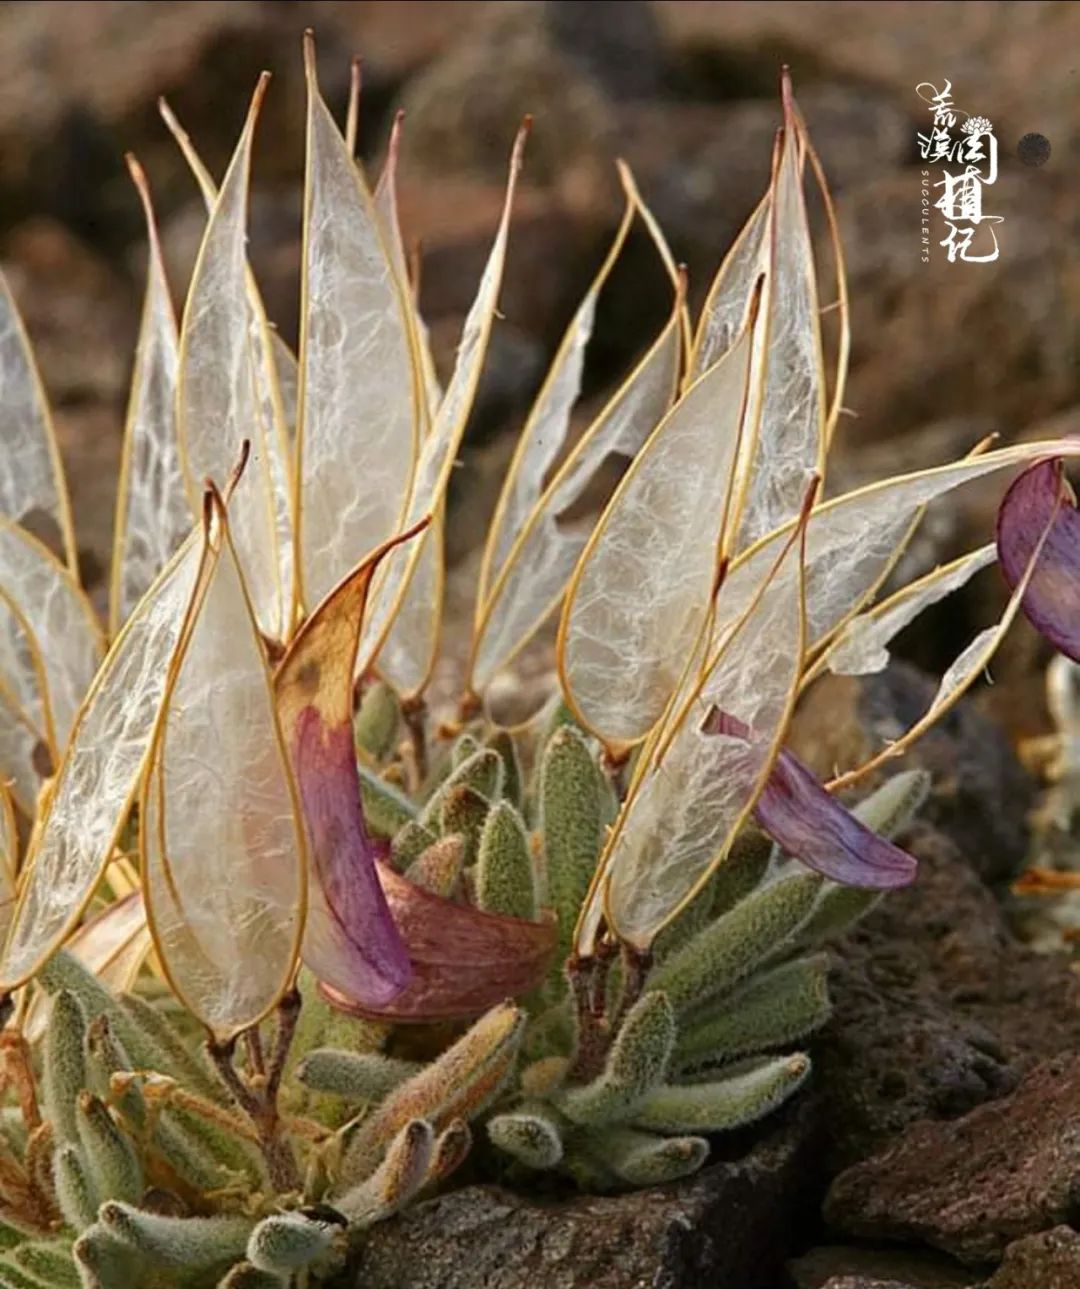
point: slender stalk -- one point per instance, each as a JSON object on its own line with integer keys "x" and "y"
{"x": 259, "y": 1101}
{"x": 414, "y": 714}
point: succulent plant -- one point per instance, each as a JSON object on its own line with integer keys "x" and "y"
{"x": 279, "y": 944}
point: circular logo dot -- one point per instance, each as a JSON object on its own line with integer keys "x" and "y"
{"x": 1033, "y": 149}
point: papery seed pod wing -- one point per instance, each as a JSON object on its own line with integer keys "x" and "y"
{"x": 220, "y": 404}
{"x": 786, "y": 440}
{"x": 33, "y": 489}
{"x": 274, "y": 373}
{"x": 152, "y": 512}
{"x": 99, "y": 773}
{"x": 222, "y": 840}
{"x": 854, "y": 540}
{"x": 359, "y": 385}
{"x": 59, "y": 631}
{"x": 861, "y": 647}
{"x": 681, "y": 818}
{"x": 642, "y": 587}
{"x": 531, "y": 550}
{"x": 440, "y": 447}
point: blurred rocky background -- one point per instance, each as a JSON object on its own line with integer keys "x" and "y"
{"x": 943, "y": 354}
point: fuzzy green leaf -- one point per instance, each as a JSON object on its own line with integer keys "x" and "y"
{"x": 376, "y": 723}
{"x": 74, "y": 1191}
{"x": 572, "y": 822}
{"x": 410, "y": 843}
{"x": 742, "y": 870}
{"x": 776, "y": 1007}
{"x": 505, "y": 882}
{"x": 106, "y": 1262}
{"x": 890, "y": 808}
{"x": 167, "y": 1050}
{"x": 50, "y": 1262}
{"x": 386, "y": 810}
{"x": 531, "y": 1137}
{"x": 642, "y": 1159}
{"x": 285, "y": 1242}
{"x": 187, "y": 1242}
{"x": 728, "y": 1103}
{"x": 513, "y": 787}
{"x": 636, "y": 1064}
{"x": 113, "y": 1165}
{"x": 64, "y": 1064}
{"x": 727, "y": 950}
{"x": 105, "y": 1056}
{"x": 360, "y": 1076}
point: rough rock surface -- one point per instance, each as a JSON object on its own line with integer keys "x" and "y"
{"x": 730, "y": 1226}
{"x": 938, "y": 1007}
{"x": 848, "y": 1267}
{"x": 1050, "y": 1260}
{"x": 971, "y": 1186}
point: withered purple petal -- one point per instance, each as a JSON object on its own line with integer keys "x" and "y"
{"x": 1051, "y": 601}
{"x": 351, "y": 939}
{"x": 815, "y": 828}
{"x": 464, "y": 960}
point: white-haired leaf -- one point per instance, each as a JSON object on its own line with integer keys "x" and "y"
{"x": 862, "y": 646}
{"x": 358, "y": 426}
{"x": 220, "y": 401}
{"x": 643, "y": 585}
{"x": 152, "y": 512}
{"x": 32, "y": 483}
{"x": 700, "y": 787}
{"x": 785, "y": 443}
{"x": 531, "y": 551}
{"x": 439, "y": 449}
{"x": 59, "y": 626}
{"x": 99, "y": 774}
{"x": 221, "y": 838}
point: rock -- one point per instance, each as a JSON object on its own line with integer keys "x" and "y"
{"x": 844, "y": 1267}
{"x": 937, "y": 1008}
{"x": 1050, "y": 1260}
{"x": 463, "y": 106}
{"x": 1023, "y": 308}
{"x": 971, "y": 1187}
{"x": 731, "y": 1225}
{"x": 80, "y": 316}
{"x": 981, "y": 796}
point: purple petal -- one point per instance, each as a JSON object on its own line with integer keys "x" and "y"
{"x": 809, "y": 824}
{"x": 1037, "y": 504}
{"x": 350, "y": 940}
{"x": 464, "y": 960}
